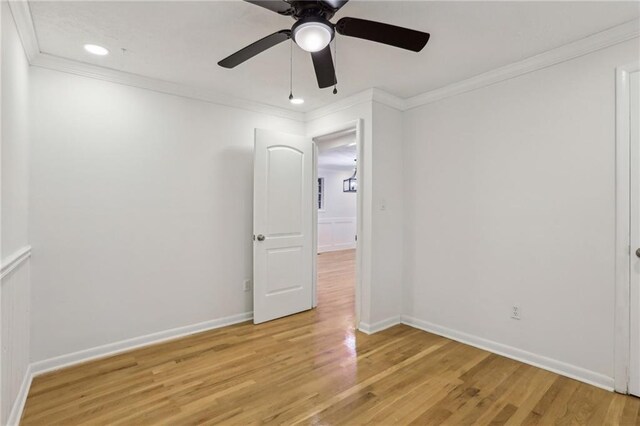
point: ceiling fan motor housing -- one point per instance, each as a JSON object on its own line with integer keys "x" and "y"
{"x": 301, "y": 9}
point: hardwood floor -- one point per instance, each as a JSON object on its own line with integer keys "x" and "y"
{"x": 313, "y": 368}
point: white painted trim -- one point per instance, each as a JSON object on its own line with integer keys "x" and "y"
{"x": 559, "y": 367}
{"x": 592, "y": 43}
{"x": 24, "y": 23}
{"x": 14, "y": 261}
{"x": 37, "y": 368}
{"x": 601, "y": 40}
{"x": 379, "y": 326}
{"x": 342, "y": 104}
{"x": 334, "y": 249}
{"x": 314, "y": 231}
{"x": 382, "y": 97}
{"x": 622, "y": 256}
{"x": 21, "y": 399}
{"x": 333, "y": 246}
{"x": 56, "y": 63}
{"x": 109, "y": 349}
{"x": 361, "y": 262}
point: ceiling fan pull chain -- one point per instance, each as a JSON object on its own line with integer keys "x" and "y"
{"x": 291, "y": 71}
{"x": 335, "y": 55}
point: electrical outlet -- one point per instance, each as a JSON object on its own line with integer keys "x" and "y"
{"x": 247, "y": 285}
{"x": 515, "y": 312}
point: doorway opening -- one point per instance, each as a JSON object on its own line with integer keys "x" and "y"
{"x": 336, "y": 215}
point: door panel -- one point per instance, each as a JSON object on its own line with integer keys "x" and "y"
{"x": 284, "y": 275}
{"x": 282, "y": 219}
{"x": 634, "y": 127}
{"x": 285, "y": 199}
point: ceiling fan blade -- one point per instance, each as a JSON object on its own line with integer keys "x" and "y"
{"x": 403, "y": 38}
{"x": 253, "y": 49}
{"x": 335, "y": 4}
{"x": 323, "y": 64}
{"x": 278, "y": 6}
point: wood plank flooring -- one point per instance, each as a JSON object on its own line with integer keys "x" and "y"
{"x": 313, "y": 368}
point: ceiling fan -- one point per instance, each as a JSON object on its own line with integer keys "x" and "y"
{"x": 313, "y": 32}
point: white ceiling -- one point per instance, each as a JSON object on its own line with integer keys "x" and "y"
{"x": 341, "y": 157}
{"x": 182, "y": 42}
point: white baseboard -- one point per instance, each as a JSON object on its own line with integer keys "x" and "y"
{"x": 379, "y": 326}
{"x": 21, "y": 399}
{"x": 559, "y": 367}
{"x": 329, "y": 249}
{"x": 109, "y": 349}
{"x": 68, "y": 360}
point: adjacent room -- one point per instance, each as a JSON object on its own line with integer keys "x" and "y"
{"x": 335, "y": 212}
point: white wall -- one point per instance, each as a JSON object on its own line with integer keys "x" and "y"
{"x": 380, "y": 180}
{"x": 336, "y": 202}
{"x": 323, "y": 123}
{"x": 15, "y": 285}
{"x": 15, "y": 138}
{"x": 387, "y": 211}
{"x": 337, "y": 221}
{"x": 510, "y": 200}
{"x": 141, "y": 211}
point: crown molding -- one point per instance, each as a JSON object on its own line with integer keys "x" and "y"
{"x": 26, "y": 30}
{"x": 57, "y": 63}
{"x": 342, "y": 104}
{"x": 24, "y": 23}
{"x": 393, "y": 101}
{"x": 612, "y": 36}
{"x": 22, "y": 16}
{"x": 601, "y": 40}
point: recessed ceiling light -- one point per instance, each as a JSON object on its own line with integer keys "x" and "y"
{"x": 296, "y": 101}
{"x": 96, "y": 50}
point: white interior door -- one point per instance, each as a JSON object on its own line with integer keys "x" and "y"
{"x": 634, "y": 127}
{"x": 282, "y": 225}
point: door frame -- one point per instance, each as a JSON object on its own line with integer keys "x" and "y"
{"x": 622, "y": 247}
{"x": 328, "y": 131}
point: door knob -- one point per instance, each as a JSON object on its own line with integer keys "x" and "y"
{"x": 638, "y": 252}
{"x": 260, "y": 237}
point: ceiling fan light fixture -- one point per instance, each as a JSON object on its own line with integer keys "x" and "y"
{"x": 312, "y": 35}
